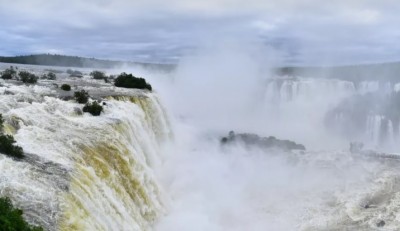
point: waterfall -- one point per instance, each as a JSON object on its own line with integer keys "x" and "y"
{"x": 374, "y": 129}
{"x": 84, "y": 172}
{"x": 353, "y": 110}
{"x": 297, "y": 88}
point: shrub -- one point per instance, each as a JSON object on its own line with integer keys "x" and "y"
{"x": 9, "y": 73}
{"x": 130, "y": 81}
{"x": 93, "y": 108}
{"x": 81, "y": 96}
{"x": 8, "y": 148}
{"x": 27, "y": 77}
{"x": 1, "y": 122}
{"x": 11, "y": 218}
{"x": 98, "y": 75}
{"x": 65, "y": 87}
{"x": 6, "y": 75}
{"x": 49, "y": 76}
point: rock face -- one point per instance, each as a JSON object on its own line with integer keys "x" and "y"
{"x": 262, "y": 142}
{"x": 380, "y": 223}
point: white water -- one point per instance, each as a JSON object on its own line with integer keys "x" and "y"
{"x": 120, "y": 171}
{"x": 210, "y": 188}
{"x": 241, "y": 190}
{"x": 87, "y": 173}
{"x": 238, "y": 189}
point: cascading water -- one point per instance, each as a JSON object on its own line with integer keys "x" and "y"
{"x": 375, "y": 123}
{"x": 213, "y": 188}
{"x": 112, "y": 172}
{"x": 84, "y": 172}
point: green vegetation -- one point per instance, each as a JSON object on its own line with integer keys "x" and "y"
{"x": 81, "y": 96}
{"x": 60, "y": 60}
{"x": 129, "y": 81}
{"x": 27, "y": 77}
{"x": 98, "y": 75}
{"x": 1, "y": 122}
{"x": 65, "y": 87}
{"x": 9, "y": 73}
{"x": 8, "y": 148}
{"x": 11, "y": 218}
{"x": 74, "y": 61}
{"x": 49, "y": 76}
{"x": 93, "y": 108}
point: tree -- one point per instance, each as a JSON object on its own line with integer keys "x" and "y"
{"x": 81, "y": 96}
{"x": 129, "y": 81}
{"x": 65, "y": 87}
{"x": 27, "y": 77}
{"x": 98, "y": 75}
{"x": 93, "y": 108}
{"x": 11, "y": 218}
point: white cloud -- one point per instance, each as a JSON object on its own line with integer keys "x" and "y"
{"x": 329, "y": 28}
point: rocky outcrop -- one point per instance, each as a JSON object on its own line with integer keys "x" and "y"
{"x": 253, "y": 140}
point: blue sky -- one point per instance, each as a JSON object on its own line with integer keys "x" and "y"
{"x": 305, "y": 31}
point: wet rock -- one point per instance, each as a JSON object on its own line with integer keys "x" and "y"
{"x": 380, "y": 223}
{"x": 250, "y": 139}
{"x": 67, "y": 98}
{"x": 78, "y": 111}
{"x": 7, "y": 92}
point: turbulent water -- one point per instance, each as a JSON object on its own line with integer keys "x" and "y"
{"x": 124, "y": 170}
{"x": 84, "y": 172}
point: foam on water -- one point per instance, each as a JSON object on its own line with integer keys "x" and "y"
{"x": 122, "y": 170}
{"x": 240, "y": 189}
{"x": 84, "y": 172}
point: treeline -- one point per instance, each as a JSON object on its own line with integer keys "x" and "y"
{"x": 58, "y": 60}
{"x": 75, "y": 61}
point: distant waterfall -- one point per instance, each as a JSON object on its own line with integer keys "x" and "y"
{"x": 382, "y": 131}
{"x": 293, "y": 88}
{"x": 362, "y": 119}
